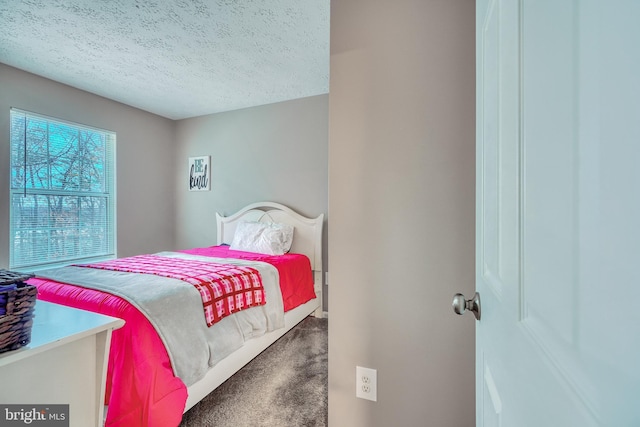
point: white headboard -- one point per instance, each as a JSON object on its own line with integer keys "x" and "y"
{"x": 307, "y": 234}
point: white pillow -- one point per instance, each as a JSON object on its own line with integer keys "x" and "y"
{"x": 262, "y": 237}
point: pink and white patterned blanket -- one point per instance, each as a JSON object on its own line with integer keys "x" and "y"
{"x": 224, "y": 288}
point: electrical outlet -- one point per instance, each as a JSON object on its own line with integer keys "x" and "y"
{"x": 366, "y": 383}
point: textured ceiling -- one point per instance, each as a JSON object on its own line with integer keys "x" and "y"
{"x": 175, "y": 58}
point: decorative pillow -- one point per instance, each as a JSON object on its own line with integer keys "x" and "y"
{"x": 262, "y": 237}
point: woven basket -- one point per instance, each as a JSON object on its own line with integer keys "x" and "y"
{"x": 18, "y": 301}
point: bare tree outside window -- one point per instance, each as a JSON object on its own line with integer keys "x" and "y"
{"x": 62, "y": 191}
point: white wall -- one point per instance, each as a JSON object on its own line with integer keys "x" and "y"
{"x": 275, "y": 152}
{"x": 402, "y": 205}
{"x": 144, "y": 148}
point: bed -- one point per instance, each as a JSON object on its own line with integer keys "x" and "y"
{"x": 153, "y": 378}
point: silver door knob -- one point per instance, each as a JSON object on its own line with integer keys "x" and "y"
{"x": 460, "y": 304}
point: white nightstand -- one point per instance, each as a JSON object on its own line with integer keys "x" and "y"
{"x": 65, "y": 363}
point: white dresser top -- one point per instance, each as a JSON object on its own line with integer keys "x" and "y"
{"x": 55, "y": 325}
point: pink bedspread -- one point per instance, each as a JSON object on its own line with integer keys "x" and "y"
{"x": 296, "y": 278}
{"x": 142, "y": 390}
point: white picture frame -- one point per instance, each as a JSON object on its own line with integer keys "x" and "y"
{"x": 200, "y": 173}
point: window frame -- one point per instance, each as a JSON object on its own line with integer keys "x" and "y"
{"x": 106, "y": 193}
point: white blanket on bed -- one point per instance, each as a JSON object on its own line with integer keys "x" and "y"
{"x": 174, "y": 308}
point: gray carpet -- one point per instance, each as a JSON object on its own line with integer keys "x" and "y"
{"x": 285, "y": 386}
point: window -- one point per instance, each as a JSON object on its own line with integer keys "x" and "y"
{"x": 62, "y": 192}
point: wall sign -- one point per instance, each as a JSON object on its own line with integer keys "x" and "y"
{"x": 199, "y": 173}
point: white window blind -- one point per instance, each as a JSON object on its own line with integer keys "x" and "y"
{"x": 62, "y": 192}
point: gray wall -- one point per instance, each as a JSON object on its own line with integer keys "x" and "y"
{"x": 144, "y": 150}
{"x": 275, "y": 152}
{"x": 402, "y": 205}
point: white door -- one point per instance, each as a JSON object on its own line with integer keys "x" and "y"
{"x": 558, "y": 213}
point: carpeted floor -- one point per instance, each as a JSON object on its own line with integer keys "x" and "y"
{"x": 285, "y": 386}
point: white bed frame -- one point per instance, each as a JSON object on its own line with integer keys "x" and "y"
{"x": 307, "y": 240}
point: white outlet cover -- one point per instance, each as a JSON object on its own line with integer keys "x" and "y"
{"x": 367, "y": 383}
